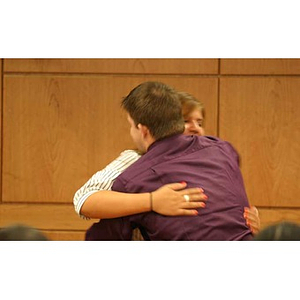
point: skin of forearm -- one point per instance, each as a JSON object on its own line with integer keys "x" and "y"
{"x": 110, "y": 204}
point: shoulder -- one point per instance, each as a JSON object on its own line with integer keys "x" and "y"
{"x": 124, "y": 160}
{"x": 218, "y": 142}
{"x": 128, "y": 155}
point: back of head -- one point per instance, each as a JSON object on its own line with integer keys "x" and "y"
{"x": 283, "y": 231}
{"x": 157, "y": 106}
{"x": 18, "y": 232}
{"x": 189, "y": 103}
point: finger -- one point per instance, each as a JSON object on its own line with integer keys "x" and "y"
{"x": 191, "y": 191}
{"x": 252, "y": 227}
{"x": 251, "y": 210}
{"x": 192, "y": 205}
{"x": 188, "y": 212}
{"x": 196, "y": 197}
{"x": 250, "y": 214}
{"x": 177, "y": 186}
{"x": 246, "y": 209}
{"x": 254, "y": 230}
{"x": 255, "y": 210}
{"x": 252, "y": 223}
{"x": 251, "y": 218}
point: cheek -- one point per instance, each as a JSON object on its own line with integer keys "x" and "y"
{"x": 134, "y": 133}
{"x": 131, "y": 132}
{"x": 187, "y": 127}
{"x": 194, "y": 131}
{"x": 201, "y": 131}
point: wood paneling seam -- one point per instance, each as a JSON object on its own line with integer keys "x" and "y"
{"x": 1, "y": 125}
{"x": 106, "y": 74}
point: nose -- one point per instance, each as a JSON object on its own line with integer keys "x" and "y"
{"x": 194, "y": 127}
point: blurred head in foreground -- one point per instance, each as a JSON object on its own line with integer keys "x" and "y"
{"x": 19, "y": 232}
{"x": 283, "y": 231}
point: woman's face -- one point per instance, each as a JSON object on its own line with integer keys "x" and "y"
{"x": 194, "y": 123}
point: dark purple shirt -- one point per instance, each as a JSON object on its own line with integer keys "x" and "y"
{"x": 205, "y": 162}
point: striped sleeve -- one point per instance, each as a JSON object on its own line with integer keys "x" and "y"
{"x": 104, "y": 179}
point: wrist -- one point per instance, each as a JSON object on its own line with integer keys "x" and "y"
{"x": 151, "y": 201}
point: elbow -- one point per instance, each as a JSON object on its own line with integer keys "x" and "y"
{"x": 88, "y": 210}
{"x": 84, "y": 211}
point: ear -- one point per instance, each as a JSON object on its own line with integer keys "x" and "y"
{"x": 144, "y": 130}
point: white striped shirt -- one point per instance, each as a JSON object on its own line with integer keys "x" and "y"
{"x": 104, "y": 179}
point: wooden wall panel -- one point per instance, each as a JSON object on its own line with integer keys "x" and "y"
{"x": 269, "y": 216}
{"x": 260, "y": 66}
{"x": 65, "y": 235}
{"x": 43, "y": 216}
{"x": 116, "y": 66}
{"x": 1, "y": 103}
{"x": 59, "y": 130}
{"x": 260, "y": 117}
{"x": 57, "y": 222}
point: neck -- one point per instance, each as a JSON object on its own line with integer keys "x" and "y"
{"x": 148, "y": 142}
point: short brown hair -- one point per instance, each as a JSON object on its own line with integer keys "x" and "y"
{"x": 189, "y": 103}
{"x": 157, "y": 106}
